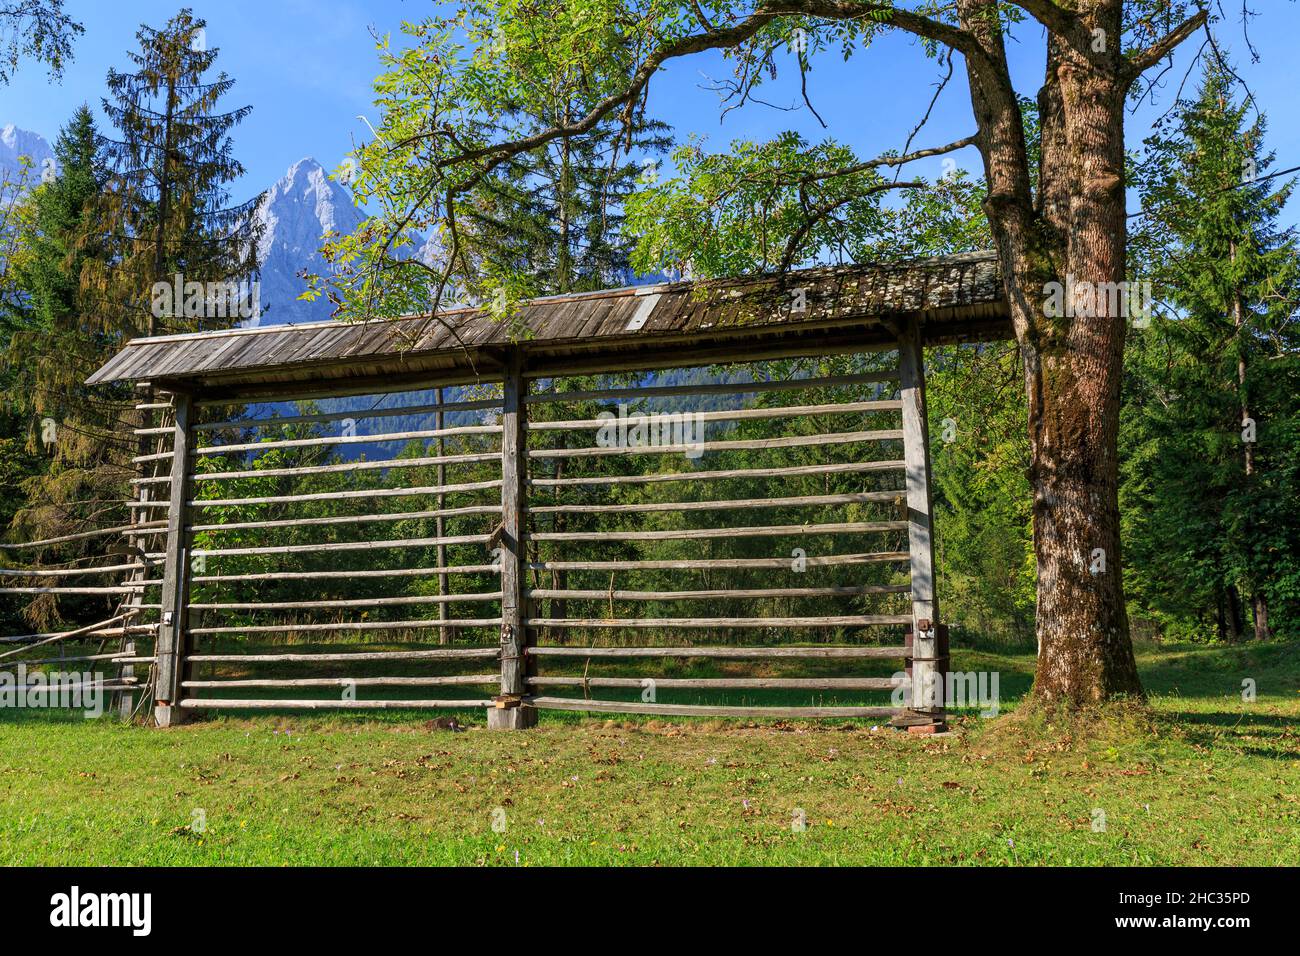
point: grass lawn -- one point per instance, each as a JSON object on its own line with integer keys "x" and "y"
{"x": 1203, "y": 778}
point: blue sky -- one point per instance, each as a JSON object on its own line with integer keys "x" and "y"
{"x": 306, "y": 67}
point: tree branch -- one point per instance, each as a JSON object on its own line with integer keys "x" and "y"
{"x": 718, "y": 38}
{"x": 1051, "y": 15}
{"x": 886, "y": 14}
{"x": 1164, "y": 46}
{"x": 893, "y": 160}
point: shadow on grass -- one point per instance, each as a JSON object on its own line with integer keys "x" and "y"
{"x": 1218, "y": 670}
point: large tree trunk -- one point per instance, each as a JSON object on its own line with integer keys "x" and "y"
{"x": 1073, "y": 234}
{"x": 1259, "y": 602}
{"x": 1263, "y": 631}
{"x": 1234, "y": 614}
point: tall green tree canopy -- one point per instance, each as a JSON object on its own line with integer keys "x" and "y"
{"x": 167, "y": 204}
{"x": 145, "y": 204}
{"x": 1055, "y": 208}
{"x": 1213, "y": 407}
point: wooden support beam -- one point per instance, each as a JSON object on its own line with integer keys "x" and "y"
{"x": 726, "y": 683}
{"x": 401, "y": 411}
{"x": 747, "y": 504}
{"x": 454, "y": 680}
{"x": 726, "y": 594}
{"x": 723, "y": 623}
{"x": 727, "y": 415}
{"x": 378, "y": 439}
{"x": 696, "y": 534}
{"x": 440, "y": 654}
{"x": 440, "y": 528}
{"x": 724, "y": 388}
{"x": 408, "y": 492}
{"x": 347, "y": 626}
{"x": 509, "y": 712}
{"x": 789, "y": 471}
{"x": 704, "y": 447}
{"x": 173, "y": 627}
{"x": 927, "y": 693}
{"x": 222, "y": 703}
{"x": 698, "y": 710}
{"x": 692, "y": 564}
{"x": 736, "y": 653}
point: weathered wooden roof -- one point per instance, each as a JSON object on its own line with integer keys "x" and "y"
{"x": 955, "y": 298}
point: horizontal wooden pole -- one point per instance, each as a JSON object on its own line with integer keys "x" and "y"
{"x": 727, "y": 594}
{"x": 86, "y": 535}
{"x": 789, "y": 471}
{"x": 210, "y": 450}
{"x": 688, "y": 564}
{"x": 350, "y": 519}
{"x": 284, "y": 393}
{"x": 439, "y": 654}
{"x": 425, "y": 625}
{"x": 667, "y": 353}
{"x": 68, "y": 572}
{"x": 724, "y": 415}
{"x": 335, "y": 469}
{"x": 403, "y": 600}
{"x": 219, "y": 703}
{"x": 726, "y": 388}
{"x": 116, "y": 657}
{"x": 734, "y": 653}
{"x": 112, "y": 683}
{"x": 334, "y": 575}
{"x": 700, "y": 710}
{"x": 345, "y": 546}
{"x": 748, "y": 504}
{"x": 725, "y": 683}
{"x": 156, "y": 456}
{"x": 115, "y": 589}
{"x": 398, "y": 412}
{"x": 692, "y": 534}
{"x": 845, "y": 620}
{"x": 104, "y": 628}
{"x": 54, "y": 636}
{"x": 704, "y": 447}
{"x": 456, "y": 680}
{"x": 426, "y": 490}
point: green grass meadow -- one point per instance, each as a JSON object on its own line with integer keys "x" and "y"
{"x": 1200, "y": 777}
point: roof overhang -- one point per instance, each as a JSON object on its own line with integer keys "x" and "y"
{"x": 813, "y": 311}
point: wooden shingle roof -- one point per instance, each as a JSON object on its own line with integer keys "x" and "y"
{"x": 956, "y": 298}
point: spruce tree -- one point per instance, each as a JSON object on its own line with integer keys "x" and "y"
{"x": 144, "y": 206}
{"x": 1214, "y": 459}
{"x": 171, "y": 162}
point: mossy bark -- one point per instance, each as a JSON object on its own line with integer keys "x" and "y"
{"x": 1071, "y": 230}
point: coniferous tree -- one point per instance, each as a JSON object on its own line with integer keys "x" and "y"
{"x": 45, "y": 346}
{"x": 1213, "y": 407}
{"x": 167, "y": 208}
{"x": 556, "y": 214}
{"x": 144, "y": 207}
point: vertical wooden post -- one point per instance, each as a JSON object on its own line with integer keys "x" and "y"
{"x": 509, "y": 712}
{"x": 172, "y": 627}
{"x": 439, "y": 420}
{"x": 927, "y": 670}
